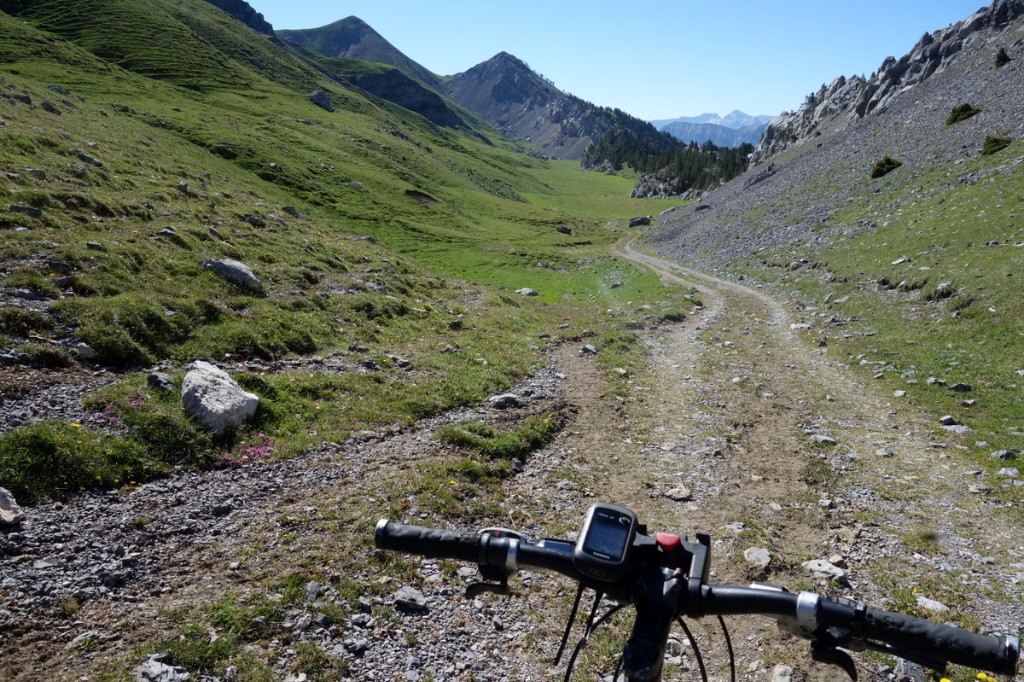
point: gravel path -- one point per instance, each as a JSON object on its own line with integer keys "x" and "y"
{"x": 717, "y": 437}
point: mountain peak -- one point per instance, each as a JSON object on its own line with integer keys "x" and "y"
{"x": 353, "y": 38}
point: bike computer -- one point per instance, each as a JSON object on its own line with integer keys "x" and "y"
{"x": 602, "y": 550}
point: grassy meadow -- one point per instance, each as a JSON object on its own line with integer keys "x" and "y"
{"x": 130, "y": 159}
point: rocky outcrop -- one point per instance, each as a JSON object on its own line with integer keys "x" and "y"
{"x": 847, "y": 100}
{"x": 650, "y": 186}
{"x": 242, "y": 11}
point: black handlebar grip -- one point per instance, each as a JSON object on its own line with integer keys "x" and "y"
{"x": 431, "y": 542}
{"x": 981, "y": 652}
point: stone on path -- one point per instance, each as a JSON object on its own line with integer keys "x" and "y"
{"x": 157, "y": 669}
{"x": 10, "y": 512}
{"x": 410, "y": 599}
{"x": 758, "y": 556}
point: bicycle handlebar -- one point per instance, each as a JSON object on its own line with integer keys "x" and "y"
{"x": 683, "y": 590}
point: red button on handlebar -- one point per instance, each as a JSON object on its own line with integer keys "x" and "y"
{"x": 668, "y": 542}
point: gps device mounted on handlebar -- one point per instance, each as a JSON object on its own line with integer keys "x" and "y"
{"x": 603, "y": 548}
{"x": 664, "y": 577}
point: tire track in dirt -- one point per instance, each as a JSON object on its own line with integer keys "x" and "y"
{"x": 737, "y": 398}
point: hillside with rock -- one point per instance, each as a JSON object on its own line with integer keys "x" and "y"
{"x": 248, "y": 308}
{"x": 243, "y": 11}
{"x": 814, "y": 162}
{"x": 847, "y": 100}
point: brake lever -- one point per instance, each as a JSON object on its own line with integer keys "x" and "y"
{"x": 826, "y": 653}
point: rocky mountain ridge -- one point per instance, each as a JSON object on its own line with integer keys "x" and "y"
{"x": 845, "y": 101}
{"x": 523, "y": 105}
{"x": 796, "y": 191}
{"x": 244, "y": 12}
{"x": 735, "y": 119}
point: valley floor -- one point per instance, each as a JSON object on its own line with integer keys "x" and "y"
{"x": 728, "y": 410}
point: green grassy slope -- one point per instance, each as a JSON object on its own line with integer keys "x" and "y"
{"x": 931, "y": 290}
{"x": 176, "y": 135}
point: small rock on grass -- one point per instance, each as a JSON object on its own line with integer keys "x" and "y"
{"x": 931, "y": 605}
{"x": 758, "y": 556}
{"x": 819, "y": 439}
{"x": 680, "y": 494}
{"x": 824, "y": 570}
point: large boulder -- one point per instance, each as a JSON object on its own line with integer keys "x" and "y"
{"x": 215, "y": 399}
{"x": 235, "y": 271}
{"x": 10, "y": 512}
{"x": 321, "y": 99}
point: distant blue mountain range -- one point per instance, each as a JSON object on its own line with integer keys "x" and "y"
{"x": 731, "y": 130}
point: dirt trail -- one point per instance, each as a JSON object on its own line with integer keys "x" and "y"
{"x": 735, "y": 402}
{"x": 716, "y": 437}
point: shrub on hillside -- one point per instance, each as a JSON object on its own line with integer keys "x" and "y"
{"x": 884, "y": 166}
{"x": 1002, "y": 59}
{"x": 962, "y": 112}
{"x": 995, "y": 143}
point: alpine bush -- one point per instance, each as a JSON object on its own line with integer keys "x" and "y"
{"x": 994, "y": 143}
{"x": 962, "y": 112}
{"x": 885, "y": 166}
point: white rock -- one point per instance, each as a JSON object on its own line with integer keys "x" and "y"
{"x": 758, "y": 556}
{"x": 931, "y": 605}
{"x": 235, "y": 271}
{"x": 782, "y": 673}
{"x": 10, "y": 512}
{"x": 680, "y": 494}
{"x": 215, "y": 398}
{"x": 156, "y": 670}
{"x": 824, "y": 570}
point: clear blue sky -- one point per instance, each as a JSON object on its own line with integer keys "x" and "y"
{"x": 655, "y": 59}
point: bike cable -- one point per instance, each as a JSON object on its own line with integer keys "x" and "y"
{"x": 568, "y": 623}
{"x": 591, "y": 626}
{"x": 696, "y": 649}
{"x": 728, "y": 645}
